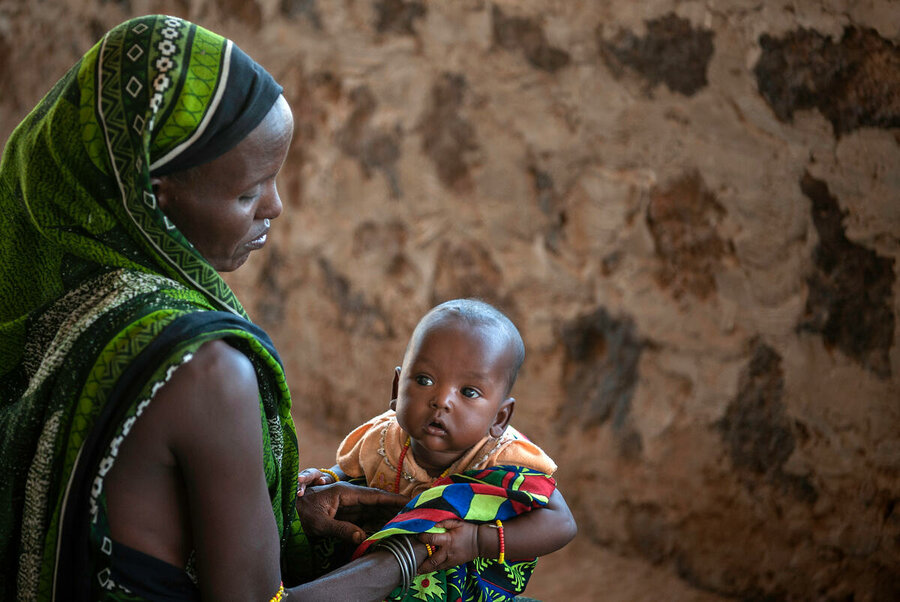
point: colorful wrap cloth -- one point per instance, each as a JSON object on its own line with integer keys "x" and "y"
{"x": 102, "y": 298}
{"x": 479, "y": 496}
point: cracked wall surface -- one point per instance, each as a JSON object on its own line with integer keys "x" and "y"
{"x": 690, "y": 209}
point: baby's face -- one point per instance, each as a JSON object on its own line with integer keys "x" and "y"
{"x": 452, "y": 383}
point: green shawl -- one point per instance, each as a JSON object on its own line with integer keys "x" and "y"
{"x": 101, "y": 297}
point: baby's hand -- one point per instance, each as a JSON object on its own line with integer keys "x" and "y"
{"x": 310, "y": 477}
{"x": 457, "y": 546}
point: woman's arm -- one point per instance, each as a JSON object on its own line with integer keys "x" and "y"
{"x": 371, "y": 577}
{"x": 536, "y": 533}
{"x": 217, "y": 444}
{"x": 207, "y": 419}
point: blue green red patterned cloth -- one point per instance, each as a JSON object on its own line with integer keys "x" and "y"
{"x": 479, "y": 496}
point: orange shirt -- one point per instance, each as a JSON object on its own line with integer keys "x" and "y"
{"x": 373, "y": 450}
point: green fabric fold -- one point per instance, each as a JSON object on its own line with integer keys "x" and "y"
{"x": 97, "y": 290}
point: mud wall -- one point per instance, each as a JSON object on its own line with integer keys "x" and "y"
{"x": 690, "y": 208}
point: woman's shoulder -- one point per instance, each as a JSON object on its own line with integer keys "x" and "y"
{"x": 215, "y": 370}
{"x": 212, "y": 391}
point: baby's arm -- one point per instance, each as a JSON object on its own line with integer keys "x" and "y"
{"x": 536, "y": 533}
{"x": 310, "y": 477}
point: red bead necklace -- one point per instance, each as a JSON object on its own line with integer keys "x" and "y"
{"x": 400, "y": 466}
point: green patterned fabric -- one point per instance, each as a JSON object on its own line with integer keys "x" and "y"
{"x": 101, "y": 297}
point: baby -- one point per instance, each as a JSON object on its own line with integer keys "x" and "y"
{"x": 449, "y": 413}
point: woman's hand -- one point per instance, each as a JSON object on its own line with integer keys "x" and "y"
{"x": 458, "y": 545}
{"x": 336, "y": 510}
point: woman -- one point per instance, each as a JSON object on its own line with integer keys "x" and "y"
{"x": 146, "y": 441}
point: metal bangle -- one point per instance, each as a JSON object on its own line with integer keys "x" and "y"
{"x": 402, "y": 549}
{"x": 403, "y": 576}
{"x": 407, "y": 540}
{"x": 408, "y": 574}
{"x": 413, "y": 565}
{"x": 410, "y": 559}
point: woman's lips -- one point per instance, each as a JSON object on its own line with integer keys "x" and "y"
{"x": 259, "y": 241}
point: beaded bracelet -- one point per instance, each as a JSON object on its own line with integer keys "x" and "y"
{"x": 330, "y": 473}
{"x": 429, "y": 549}
{"x": 501, "y": 558}
{"x": 279, "y": 594}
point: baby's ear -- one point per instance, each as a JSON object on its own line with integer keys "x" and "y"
{"x": 504, "y": 415}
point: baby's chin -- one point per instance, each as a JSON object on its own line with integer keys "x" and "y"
{"x": 433, "y": 444}
{"x": 437, "y": 452}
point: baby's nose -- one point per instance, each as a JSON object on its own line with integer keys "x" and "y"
{"x": 442, "y": 400}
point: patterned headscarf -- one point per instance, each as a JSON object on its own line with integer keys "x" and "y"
{"x": 155, "y": 95}
{"x": 101, "y": 296}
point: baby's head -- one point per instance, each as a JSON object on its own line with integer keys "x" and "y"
{"x": 453, "y": 387}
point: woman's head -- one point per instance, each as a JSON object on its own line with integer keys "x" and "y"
{"x": 215, "y": 179}
{"x": 138, "y": 159}
{"x": 224, "y": 207}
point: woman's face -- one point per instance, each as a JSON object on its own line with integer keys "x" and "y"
{"x": 222, "y": 207}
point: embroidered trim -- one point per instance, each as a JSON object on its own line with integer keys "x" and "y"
{"x": 107, "y": 462}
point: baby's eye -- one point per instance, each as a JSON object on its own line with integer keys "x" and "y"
{"x": 470, "y": 392}
{"x": 423, "y": 380}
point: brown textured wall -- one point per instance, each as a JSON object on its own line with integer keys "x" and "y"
{"x": 690, "y": 208}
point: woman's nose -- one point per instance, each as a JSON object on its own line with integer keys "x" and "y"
{"x": 271, "y": 206}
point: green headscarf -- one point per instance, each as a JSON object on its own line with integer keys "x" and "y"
{"x": 101, "y": 296}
